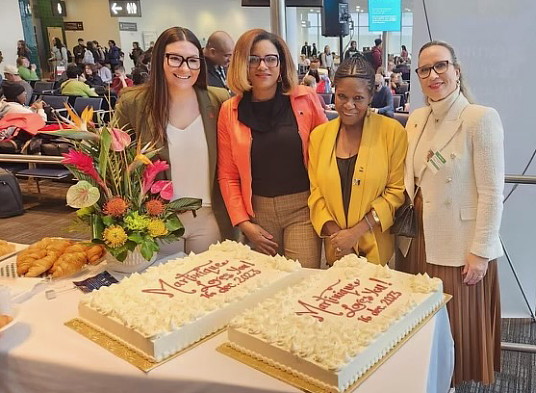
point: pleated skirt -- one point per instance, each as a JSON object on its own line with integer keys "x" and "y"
{"x": 474, "y": 311}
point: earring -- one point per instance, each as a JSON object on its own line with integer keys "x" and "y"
{"x": 280, "y": 79}
{"x": 457, "y": 82}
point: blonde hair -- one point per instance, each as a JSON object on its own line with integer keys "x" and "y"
{"x": 464, "y": 87}
{"x": 237, "y": 76}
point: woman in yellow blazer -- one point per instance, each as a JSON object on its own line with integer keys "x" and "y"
{"x": 356, "y": 169}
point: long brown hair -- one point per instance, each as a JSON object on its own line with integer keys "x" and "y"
{"x": 157, "y": 89}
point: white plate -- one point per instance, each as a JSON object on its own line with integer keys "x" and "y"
{"x": 18, "y": 248}
{"x": 15, "y": 314}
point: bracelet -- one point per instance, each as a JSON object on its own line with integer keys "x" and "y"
{"x": 375, "y": 216}
{"x": 368, "y": 223}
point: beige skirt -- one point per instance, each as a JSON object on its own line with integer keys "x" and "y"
{"x": 474, "y": 311}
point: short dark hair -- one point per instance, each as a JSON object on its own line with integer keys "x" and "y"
{"x": 80, "y": 39}
{"x": 73, "y": 71}
{"x": 378, "y": 41}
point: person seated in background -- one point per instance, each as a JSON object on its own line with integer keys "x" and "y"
{"x": 103, "y": 72}
{"x": 120, "y": 81}
{"x": 304, "y": 64}
{"x": 352, "y": 50}
{"x": 15, "y": 98}
{"x": 26, "y": 71}
{"x": 92, "y": 79}
{"x": 12, "y": 74}
{"x": 382, "y": 101}
{"x": 310, "y": 81}
{"x": 139, "y": 76}
{"x": 1, "y": 60}
{"x": 395, "y": 82}
{"x": 73, "y": 86}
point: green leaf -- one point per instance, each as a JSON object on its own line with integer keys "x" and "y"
{"x": 182, "y": 204}
{"x": 97, "y": 226}
{"x": 173, "y": 224}
{"x": 136, "y": 237}
{"x": 108, "y": 220}
{"x": 147, "y": 249}
{"x": 131, "y": 245}
{"x": 76, "y": 135}
{"x": 106, "y": 141}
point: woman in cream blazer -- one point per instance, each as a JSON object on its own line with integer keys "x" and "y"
{"x": 374, "y": 182}
{"x": 455, "y": 155}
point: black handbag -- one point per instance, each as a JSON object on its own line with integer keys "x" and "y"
{"x": 405, "y": 223}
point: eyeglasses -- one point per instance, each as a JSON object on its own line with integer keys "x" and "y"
{"x": 440, "y": 67}
{"x": 173, "y": 60}
{"x": 271, "y": 61}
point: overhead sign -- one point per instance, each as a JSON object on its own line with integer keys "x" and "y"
{"x": 73, "y": 26}
{"x": 385, "y": 15}
{"x": 128, "y": 26}
{"x": 125, "y": 8}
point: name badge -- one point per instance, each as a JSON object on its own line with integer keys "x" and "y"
{"x": 435, "y": 161}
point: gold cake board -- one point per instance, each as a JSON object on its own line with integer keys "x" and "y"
{"x": 308, "y": 386}
{"x": 121, "y": 350}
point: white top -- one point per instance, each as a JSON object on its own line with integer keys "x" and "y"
{"x": 432, "y": 127}
{"x": 188, "y": 156}
{"x": 15, "y": 107}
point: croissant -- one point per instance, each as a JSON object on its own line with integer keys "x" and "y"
{"x": 40, "y": 266}
{"x": 68, "y": 263}
{"x": 27, "y": 258}
{"x": 6, "y": 248}
{"x": 95, "y": 253}
{"x": 4, "y": 320}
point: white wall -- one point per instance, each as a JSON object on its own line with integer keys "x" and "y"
{"x": 10, "y": 31}
{"x": 498, "y": 67}
{"x": 98, "y": 24}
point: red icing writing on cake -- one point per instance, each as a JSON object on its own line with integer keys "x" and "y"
{"x": 207, "y": 280}
{"x": 350, "y": 301}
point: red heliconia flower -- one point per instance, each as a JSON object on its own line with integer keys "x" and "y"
{"x": 150, "y": 174}
{"x": 83, "y": 162}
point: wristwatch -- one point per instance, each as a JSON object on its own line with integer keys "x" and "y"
{"x": 375, "y": 216}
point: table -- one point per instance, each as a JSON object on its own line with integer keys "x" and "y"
{"x": 39, "y": 354}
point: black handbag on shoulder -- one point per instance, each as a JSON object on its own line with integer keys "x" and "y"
{"x": 405, "y": 223}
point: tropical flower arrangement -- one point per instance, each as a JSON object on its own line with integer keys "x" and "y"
{"x": 117, "y": 192}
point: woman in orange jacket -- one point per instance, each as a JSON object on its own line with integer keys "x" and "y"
{"x": 263, "y": 138}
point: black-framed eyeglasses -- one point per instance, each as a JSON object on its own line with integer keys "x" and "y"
{"x": 271, "y": 61}
{"x": 174, "y": 60}
{"x": 440, "y": 67}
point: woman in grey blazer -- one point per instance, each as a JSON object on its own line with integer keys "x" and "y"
{"x": 455, "y": 176}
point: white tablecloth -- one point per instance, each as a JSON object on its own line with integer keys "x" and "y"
{"x": 39, "y": 354}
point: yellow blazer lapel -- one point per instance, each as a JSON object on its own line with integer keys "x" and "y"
{"x": 333, "y": 178}
{"x": 355, "y": 210}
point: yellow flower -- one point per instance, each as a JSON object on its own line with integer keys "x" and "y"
{"x": 114, "y": 236}
{"x": 143, "y": 158}
{"x": 157, "y": 228}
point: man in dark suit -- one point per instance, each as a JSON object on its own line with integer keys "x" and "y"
{"x": 218, "y": 52}
{"x": 306, "y": 50}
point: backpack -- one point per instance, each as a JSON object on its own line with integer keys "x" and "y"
{"x": 10, "y": 195}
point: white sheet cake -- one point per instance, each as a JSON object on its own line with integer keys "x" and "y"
{"x": 171, "y": 306}
{"x": 331, "y": 327}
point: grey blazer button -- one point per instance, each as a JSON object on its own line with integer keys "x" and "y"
{"x": 448, "y": 202}
{"x": 453, "y": 155}
{"x": 449, "y": 179}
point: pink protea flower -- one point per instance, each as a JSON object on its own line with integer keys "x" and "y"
{"x": 164, "y": 187}
{"x": 150, "y": 174}
{"x": 120, "y": 139}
